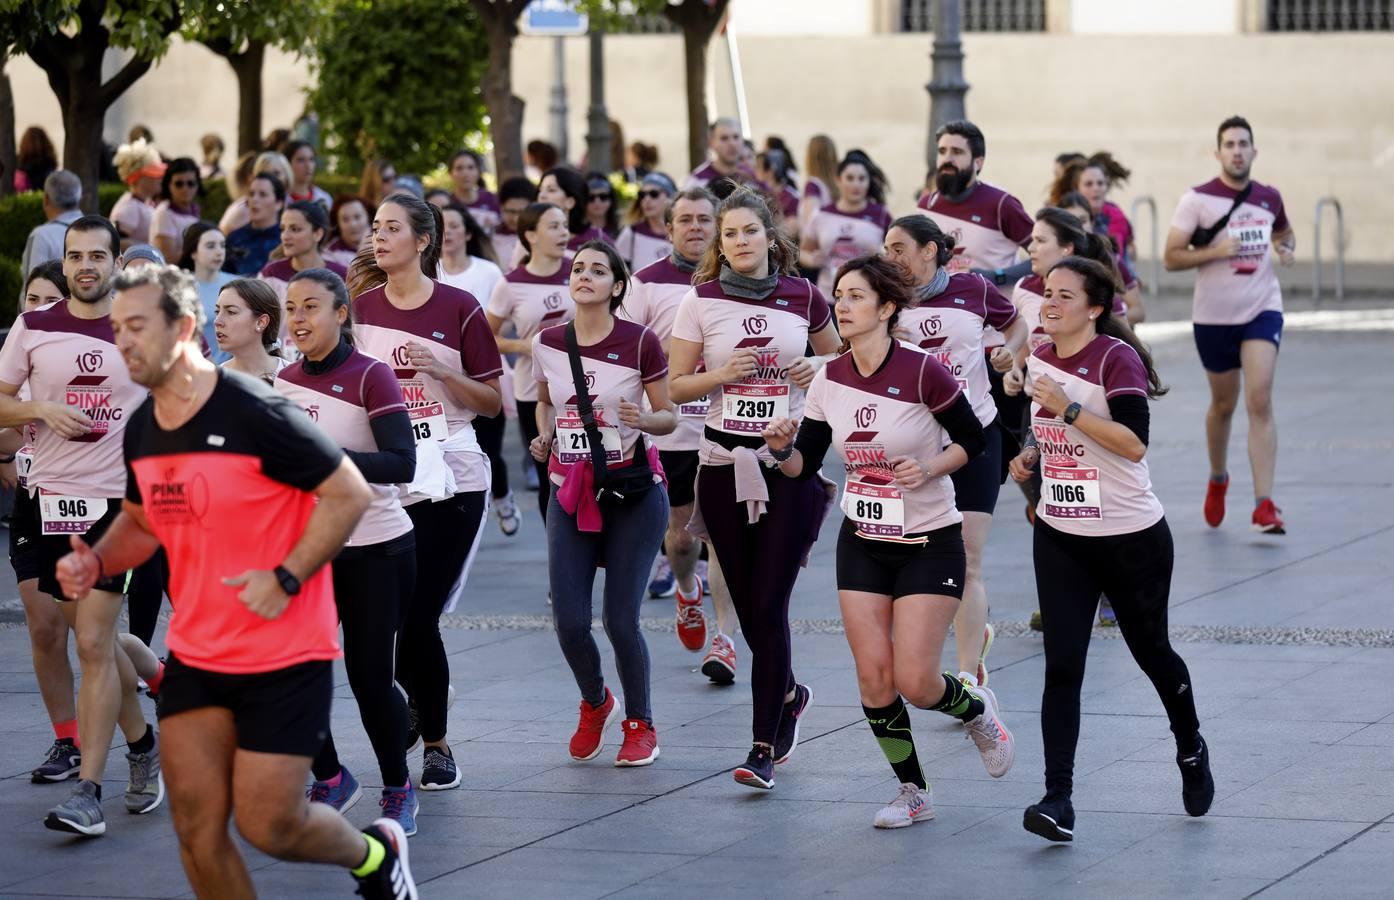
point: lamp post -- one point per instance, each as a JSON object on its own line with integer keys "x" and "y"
{"x": 558, "y": 107}
{"x": 598, "y": 120}
{"x": 946, "y": 85}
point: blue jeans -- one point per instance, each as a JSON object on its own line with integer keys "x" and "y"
{"x": 626, "y": 546}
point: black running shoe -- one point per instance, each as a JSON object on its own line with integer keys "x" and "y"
{"x": 1053, "y": 819}
{"x": 62, "y": 763}
{"x": 392, "y": 880}
{"x": 787, "y": 737}
{"x": 439, "y": 772}
{"x": 1197, "y": 784}
{"x": 758, "y": 771}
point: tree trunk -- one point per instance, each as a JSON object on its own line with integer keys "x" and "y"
{"x": 505, "y": 110}
{"x": 247, "y": 65}
{"x": 695, "y": 58}
{"x": 83, "y": 116}
{"x": 7, "y": 134}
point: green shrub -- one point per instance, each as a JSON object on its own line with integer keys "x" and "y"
{"x": 11, "y": 282}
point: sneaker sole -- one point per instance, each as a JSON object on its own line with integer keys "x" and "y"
{"x": 797, "y": 721}
{"x": 352, "y": 799}
{"x": 906, "y": 823}
{"x": 750, "y": 779}
{"x": 159, "y": 798}
{"x": 633, "y": 763}
{"x": 36, "y": 778}
{"x": 718, "y": 671}
{"x": 1268, "y": 529}
{"x": 1039, "y": 823}
{"x": 609, "y": 720}
{"x": 56, "y": 823}
{"x": 989, "y": 637}
{"x": 441, "y": 787}
{"x": 398, "y": 836}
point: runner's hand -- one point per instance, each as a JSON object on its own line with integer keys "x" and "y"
{"x": 739, "y": 367}
{"x": 541, "y": 447}
{"x": 1224, "y": 249}
{"x": 1022, "y": 465}
{"x": 1050, "y": 394}
{"x": 780, "y": 433}
{"x": 630, "y": 414}
{"x": 78, "y": 571}
{"x": 802, "y": 370}
{"x": 422, "y": 359}
{"x": 67, "y": 422}
{"x": 1002, "y": 359}
{"x": 261, "y": 592}
{"x": 1013, "y": 382}
{"x": 1285, "y": 255}
{"x": 909, "y": 473}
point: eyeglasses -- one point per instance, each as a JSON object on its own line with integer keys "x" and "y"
{"x": 651, "y": 195}
{"x": 606, "y": 197}
{"x": 181, "y": 183}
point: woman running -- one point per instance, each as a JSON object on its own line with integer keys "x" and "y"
{"x": 448, "y": 370}
{"x": 515, "y": 194}
{"x": 1099, "y": 527}
{"x": 355, "y": 400}
{"x": 351, "y": 220}
{"x": 748, "y": 320}
{"x": 304, "y": 225}
{"x": 820, "y": 166}
{"x": 900, "y": 552}
{"x": 948, "y": 321}
{"x": 249, "y": 247}
{"x": 622, "y": 364}
{"x": 775, "y": 169}
{"x": 466, "y": 255}
{"x": 645, "y": 239}
{"x": 181, "y": 189}
{"x": 854, "y": 225}
{"x": 467, "y": 189}
{"x": 602, "y": 213}
{"x": 532, "y": 297}
{"x": 204, "y": 249}
{"x": 246, "y": 321}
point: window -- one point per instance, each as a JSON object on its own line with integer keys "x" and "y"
{"x": 978, "y": 15}
{"x": 1330, "y": 15}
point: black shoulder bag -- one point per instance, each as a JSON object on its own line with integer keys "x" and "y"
{"x": 1202, "y": 236}
{"x": 619, "y": 488}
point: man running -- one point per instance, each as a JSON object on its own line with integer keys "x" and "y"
{"x": 1225, "y": 230}
{"x": 81, "y": 398}
{"x": 211, "y": 457}
{"x": 724, "y": 141}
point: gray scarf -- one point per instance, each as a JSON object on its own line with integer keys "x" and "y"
{"x": 743, "y": 286}
{"x": 936, "y": 285}
{"x": 681, "y": 264}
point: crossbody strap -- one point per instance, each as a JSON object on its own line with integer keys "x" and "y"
{"x": 583, "y": 404}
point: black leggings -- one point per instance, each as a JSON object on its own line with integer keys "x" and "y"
{"x": 446, "y": 534}
{"x": 144, "y": 595}
{"x": 371, "y": 585}
{"x": 1134, "y": 570}
{"x": 527, "y": 424}
{"x": 489, "y": 430}
{"x": 761, "y": 562}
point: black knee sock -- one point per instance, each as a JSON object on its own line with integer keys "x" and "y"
{"x": 145, "y": 744}
{"x": 891, "y": 726}
{"x": 958, "y": 701}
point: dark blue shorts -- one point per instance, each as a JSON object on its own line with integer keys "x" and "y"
{"x": 1219, "y": 344}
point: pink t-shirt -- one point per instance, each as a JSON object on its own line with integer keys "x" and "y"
{"x": 706, "y": 173}
{"x": 988, "y": 226}
{"x": 776, "y": 328}
{"x": 166, "y": 221}
{"x": 1234, "y": 291}
{"x": 132, "y": 218}
{"x": 1026, "y": 297}
{"x": 616, "y": 369}
{"x": 339, "y": 252}
{"x": 531, "y": 303}
{"x": 1085, "y": 489}
{"x": 453, "y": 326}
{"x": 788, "y": 202}
{"x": 343, "y": 403}
{"x": 877, "y": 418}
{"x": 640, "y": 245}
{"x": 74, "y": 362}
{"x": 818, "y": 190}
{"x": 654, "y": 295}
{"x": 843, "y": 236}
{"x": 507, "y": 247}
{"x": 950, "y": 326}
{"x": 485, "y": 210}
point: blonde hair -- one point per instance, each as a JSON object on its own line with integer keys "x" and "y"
{"x": 784, "y": 253}
{"x": 276, "y": 164}
{"x": 820, "y": 161}
{"x": 131, "y": 158}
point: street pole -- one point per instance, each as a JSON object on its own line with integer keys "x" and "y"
{"x": 946, "y": 86}
{"x": 598, "y": 136}
{"x": 558, "y": 107}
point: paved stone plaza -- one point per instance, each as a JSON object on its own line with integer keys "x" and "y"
{"x": 1290, "y": 642}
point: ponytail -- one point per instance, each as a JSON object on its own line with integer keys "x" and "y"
{"x": 1100, "y": 286}
{"x": 424, "y": 220}
{"x": 1087, "y": 244}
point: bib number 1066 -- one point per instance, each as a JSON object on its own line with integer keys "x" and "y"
{"x": 1067, "y": 493}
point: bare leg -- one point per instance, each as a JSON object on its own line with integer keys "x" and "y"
{"x": 196, "y": 761}
{"x": 971, "y": 618}
{"x": 48, "y": 643}
{"x": 726, "y": 621}
{"x": 1260, "y": 360}
{"x": 1224, "y": 396}
{"x": 273, "y": 813}
{"x": 682, "y": 548}
{"x": 108, "y": 681}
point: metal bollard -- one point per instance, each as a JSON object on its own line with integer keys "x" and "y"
{"x": 1340, "y": 249}
{"x": 1154, "y": 282}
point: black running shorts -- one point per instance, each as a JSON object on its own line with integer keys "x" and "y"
{"x": 938, "y": 566}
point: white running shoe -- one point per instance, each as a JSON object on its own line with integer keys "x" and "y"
{"x": 994, "y": 741}
{"x": 510, "y": 520}
{"x": 913, "y": 804}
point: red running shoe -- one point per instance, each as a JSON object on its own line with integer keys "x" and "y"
{"x": 692, "y": 625}
{"x": 1215, "y": 502}
{"x": 640, "y": 747}
{"x": 1267, "y": 520}
{"x": 720, "y": 662}
{"x": 589, "y": 738}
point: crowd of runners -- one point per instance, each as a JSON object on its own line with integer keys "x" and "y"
{"x": 302, "y": 452}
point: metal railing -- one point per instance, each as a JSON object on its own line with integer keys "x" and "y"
{"x": 1335, "y": 204}
{"x": 1155, "y": 281}
{"x": 1330, "y": 15}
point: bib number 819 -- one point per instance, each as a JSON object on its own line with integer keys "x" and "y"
{"x": 755, "y": 409}
{"x": 869, "y": 510}
{"x": 72, "y": 509}
{"x": 1067, "y": 493}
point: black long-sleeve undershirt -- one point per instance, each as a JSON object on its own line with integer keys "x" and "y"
{"x": 1132, "y": 411}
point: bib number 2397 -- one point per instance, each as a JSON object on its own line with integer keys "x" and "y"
{"x": 1071, "y": 492}
{"x": 749, "y": 408}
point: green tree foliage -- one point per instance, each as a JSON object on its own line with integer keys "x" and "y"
{"x": 398, "y": 79}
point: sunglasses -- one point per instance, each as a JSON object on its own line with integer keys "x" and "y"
{"x": 651, "y": 195}
{"x": 181, "y": 183}
{"x": 606, "y": 197}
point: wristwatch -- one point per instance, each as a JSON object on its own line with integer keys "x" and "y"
{"x": 1071, "y": 413}
{"x": 289, "y": 583}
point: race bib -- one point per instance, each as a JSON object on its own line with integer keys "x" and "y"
{"x": 1252, "y": 237}
{"x": 1071, "y": 492}
{"x": 573, "y": 444}
{"x": 62, "y": 514}
{"x": 428, "y": 422}
{"x": 750, "y": 408}
{"x": 877, "y": 509}
{"x": 24, "y": 461}
{"x": 697, "y": 409}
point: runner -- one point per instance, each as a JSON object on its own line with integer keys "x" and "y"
{"x": 80, "y": 402}
{"x": 900, "y": 553}
{"x": 584, "y": 424}
{"x": 1099, "y": 528}
{"x": 1225, "y": 229}
{"x": 602, "y": 214}
{"x": 352, "y": 218}
{"x": 304, "y": 225}
{"x": 645, "y": 239}
{"x": 653, "y": 301}
{"x": 532, "y": 297}
{"x": 448, "y": 367}
{"x": 948, "y": 320}
{"x": 466, "y": 180}
{"x": 181, "y": 189}
{"x": 249, "y": 247}
{"x": 212, "y": 456}
{"x": 1076, "y": 205}
{"x": 820, "y": 166}
{"x": 139, "y": 165}
{"x": 466, "y": 254}
{"x": 853, "y": 226}
{"x": 303, "y": 163}
{"x": 775, "y": 168}
{"x": 567, "y": 189}
{"x": 514, "y": 196}
{"x": 246, "y": 323}
{"x": 726, "y": 146}
{"x": 748, "y": 321}
{"x": 355, "y": 399}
